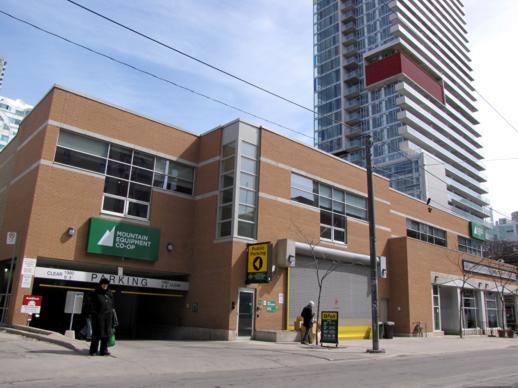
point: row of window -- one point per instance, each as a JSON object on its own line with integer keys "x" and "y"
{"x": 437, "y": 236}
{"x": 335, "y": 204}
{"x": 426, "y": 232}
{"x": 129, "y": 174}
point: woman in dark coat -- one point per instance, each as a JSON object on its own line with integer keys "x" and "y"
{"x": 101, "y": 306}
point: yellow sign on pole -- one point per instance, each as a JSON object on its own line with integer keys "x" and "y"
{"x": 259, "y": 266}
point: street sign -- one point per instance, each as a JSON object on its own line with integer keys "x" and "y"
{"x": 329, "y": 321}
{"x": 11, "y": 238}
{"x": 31, "y": 304}
{"x": 271, "y": 306}
{"x": 74, "y": 302}
{"x": 259, "y": 267}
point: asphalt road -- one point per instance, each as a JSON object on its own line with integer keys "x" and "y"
{"x": 31, "y": 363}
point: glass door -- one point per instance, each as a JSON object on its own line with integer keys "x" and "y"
{"x": 436, "y": 308}
{"x": 245, "y": 320}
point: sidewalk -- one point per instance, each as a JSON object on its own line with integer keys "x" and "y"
{"x": 25, "y": 360}
{"x": 398, "y": 346}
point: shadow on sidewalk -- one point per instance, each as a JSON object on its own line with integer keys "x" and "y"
{"x": 69, "y": 352}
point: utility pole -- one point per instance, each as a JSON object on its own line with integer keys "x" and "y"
{"x": 372, "y": 245}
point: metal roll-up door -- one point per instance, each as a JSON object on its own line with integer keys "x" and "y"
{"x": 345, "y": 290}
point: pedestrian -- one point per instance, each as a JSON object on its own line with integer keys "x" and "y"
{"x": 102, "y": 318}
{"x": 307, "y": 315}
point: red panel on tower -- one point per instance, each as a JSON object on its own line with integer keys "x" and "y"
{"x": 383, "y": 69}
{"x": 400, "y": 64}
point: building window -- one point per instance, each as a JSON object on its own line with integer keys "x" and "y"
{"x": 129, "y": 178}
{"x": 247, "y": 210}
{"x": 306, "y": 190}
{"x": 226, "y": 189}
{"x": 470, "y": 309}
{"x": 473, "y": 247}
{"x": 425, "y": 232}
{"x": 491, "y": 309}
{"x": 129, "y": 174}
{"x": 303, "y": 190}
{"x": 332, "y": 213}
{"x": 335, "y": 204}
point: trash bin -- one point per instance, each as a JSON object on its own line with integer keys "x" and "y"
{"x": 380, "y": 330}
{"x": 388, "y": 330}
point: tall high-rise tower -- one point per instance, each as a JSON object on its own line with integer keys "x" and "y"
{"x": 400, "y": 70}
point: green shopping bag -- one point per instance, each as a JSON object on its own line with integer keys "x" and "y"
{"x": 111, "y": 340}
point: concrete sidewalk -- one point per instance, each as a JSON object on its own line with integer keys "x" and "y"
{"x": 45, "y": 355}
{"x": 397, "y": 346}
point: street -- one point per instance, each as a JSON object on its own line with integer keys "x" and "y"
{"x": 477, "y": 362}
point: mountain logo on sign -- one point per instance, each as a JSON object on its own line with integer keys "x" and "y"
{"x": 107, "y": 238}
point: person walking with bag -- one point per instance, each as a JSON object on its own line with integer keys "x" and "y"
{"x": 307, "y": 315}
{"x": 102, "y": 318}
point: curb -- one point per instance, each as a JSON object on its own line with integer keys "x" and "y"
{"x": 44, "y": 336}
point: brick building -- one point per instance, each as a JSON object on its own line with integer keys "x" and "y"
{"x": 170, "y": 217}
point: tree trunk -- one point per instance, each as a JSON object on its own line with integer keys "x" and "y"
{"x": 461, "y": 313}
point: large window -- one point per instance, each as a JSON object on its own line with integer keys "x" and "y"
{"x": 473, "y": 247}
{"x": 492, "y": 309}
{"x": 246, "y": 191}
{"x": 129, "y": 174}
{"x": 332, "y": 213}
{"x": 335, "y": 204}
{"x": 226, "y": 189}
{"x": 470, "y": 309}
{"x": 247, "y": 211}
{"x": 425, "y": 232}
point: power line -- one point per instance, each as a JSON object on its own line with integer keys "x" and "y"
{"x": 205, "y": 63}
{"x": 153, "y": 75}
{"x": 227, "y": 73}
{"x": 497, "y": 112}
{"x": 208, "y": 65}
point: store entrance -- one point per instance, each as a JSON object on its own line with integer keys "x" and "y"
{"x": 141, "y": 315}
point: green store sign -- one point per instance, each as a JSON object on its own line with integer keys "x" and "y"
{"x": 125, "y": 240}
{"x": 477, "y": 231}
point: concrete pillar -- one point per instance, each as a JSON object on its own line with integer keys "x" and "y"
{"x": 482, "y": 309}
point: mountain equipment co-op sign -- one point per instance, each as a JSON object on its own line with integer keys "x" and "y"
{"x": 120, "y": 239}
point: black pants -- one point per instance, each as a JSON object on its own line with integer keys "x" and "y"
{"x": 307, "y": 334}
{"x": 94, "y": 345}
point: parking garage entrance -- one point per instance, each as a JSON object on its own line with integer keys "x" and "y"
{"x": 144, "y": 312}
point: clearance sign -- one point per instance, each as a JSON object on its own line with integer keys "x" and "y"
{"x": 259, "y": 267}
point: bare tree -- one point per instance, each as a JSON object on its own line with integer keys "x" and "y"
{"x": 321, "y": 275}
{"x": 320, "y": 272}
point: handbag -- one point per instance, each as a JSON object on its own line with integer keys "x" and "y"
{"x": 111, "y": 340}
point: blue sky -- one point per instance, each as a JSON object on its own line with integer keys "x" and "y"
{"x": 268, "y": 42}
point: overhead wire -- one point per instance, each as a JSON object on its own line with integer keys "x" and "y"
{"x": 497, "y": 112}
{"x": 211, "y": 66}
{"x": 227, "y": 73}
{"x": 148, "y": 73}
{"x": 192, "y": 57}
